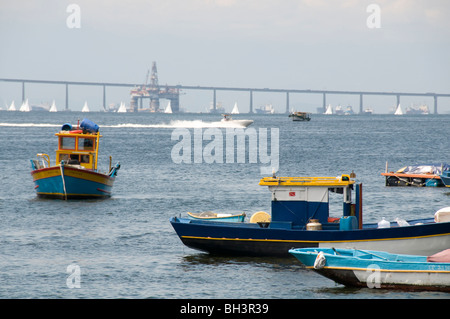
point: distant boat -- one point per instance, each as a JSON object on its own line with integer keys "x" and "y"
{"x": 349, "y": 110}
{"x": 122, "y": 108}
{"x": 339, "y": 110}
{"x": 300, "y": 116}
{"x": 329, "y": 110}
{"x": 267, "y": 109}
{"x": 423, "y": 109}
{"x": 168, "y": 108}
{"x": 85, "y": 107}
{"x": 12, "y": 107}
{"x": 25, "y": 107}
{"x": 53, "y": 107}
{"x": 235, "y": 109}
{"x": 368, "y": 111}
{"x": 398, "y": 110}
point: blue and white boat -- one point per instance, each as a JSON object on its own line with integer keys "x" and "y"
{"x": 378, "y": 269}
{"x": 300, "y": 218}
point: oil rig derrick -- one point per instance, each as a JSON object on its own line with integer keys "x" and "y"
{"x": 154, "y": 92}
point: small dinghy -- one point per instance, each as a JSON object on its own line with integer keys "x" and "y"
{"x": 217, "y": 216}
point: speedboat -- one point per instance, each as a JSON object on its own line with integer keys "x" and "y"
{"x": 228, "y": 119}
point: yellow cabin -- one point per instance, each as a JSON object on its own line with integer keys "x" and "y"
{"x": 78, "y": 148}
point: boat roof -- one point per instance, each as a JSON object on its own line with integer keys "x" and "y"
{"x": 339, "y": 181}
{"x": 77, "y": 133}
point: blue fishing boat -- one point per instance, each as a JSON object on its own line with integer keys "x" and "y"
{"x": 217, "y": 216}
{"x": 300, "y": 218}
{"x": 74, "y": 174}
{"x": 378, "y": 269}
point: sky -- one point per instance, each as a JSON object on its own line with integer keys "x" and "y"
{"x": 283, "y": 44}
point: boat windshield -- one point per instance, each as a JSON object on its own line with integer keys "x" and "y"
{"x": 67, "y": 143}
{"x": 86, "y": 144}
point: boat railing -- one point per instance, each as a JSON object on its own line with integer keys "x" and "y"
{"x": 44, "y": 160}
{"x": 342, "y": 180}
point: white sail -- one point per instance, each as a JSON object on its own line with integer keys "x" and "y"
{"x": 235, "y": 109}
{"x": 168, "y": 108}
{"x": 25, "y": 107}
{"x": 85, "y": 107}
{"x": 122, "y": 108}
{"x": 12, "y": 107}
{"x": 329, "y": 110}
{"x": 398, "y": 111}
{"x": 53, "y": 107}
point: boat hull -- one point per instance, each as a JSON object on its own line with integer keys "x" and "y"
{"x": 300, "y": 119}
{"x": 376, "y": 269}
{"x": 445, "y": 178}
{"x": 243, "y": 123}
{"x": 276, "y": 239}
{"x": 71, "y": 183}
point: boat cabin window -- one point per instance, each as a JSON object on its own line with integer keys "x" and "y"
{"x": 84, "y": 158}
{"x": 74, "y": 159}
{"x": 67, "y": 143}
{"x": 86, "y": 144}
{"x": 63, "y": 157}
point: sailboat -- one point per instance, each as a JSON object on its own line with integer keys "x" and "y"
{"x": 398, "y": 111}
{"x": 85, "y": 107}
{"x": 25, "y": 107}
{"x": 168, "y": 108}
{"x": 122, "y": 108}
{"x": 53, "y": 107}
{"x": 235, "y": 109}
{"x": 329, "y": 110}
{"x": 12, "y": 107}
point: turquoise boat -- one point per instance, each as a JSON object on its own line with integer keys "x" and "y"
{"x": 217, "y": 216}
{"x": 378, "y": 269}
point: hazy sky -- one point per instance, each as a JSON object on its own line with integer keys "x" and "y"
{"x": 292, "y": 44}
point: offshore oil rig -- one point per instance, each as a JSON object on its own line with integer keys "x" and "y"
{"x": 153, "y": 91}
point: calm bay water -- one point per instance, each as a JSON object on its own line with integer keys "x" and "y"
{"x": 125, "y": 247}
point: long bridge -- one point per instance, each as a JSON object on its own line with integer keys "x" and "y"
{"x": 155, "y": 91}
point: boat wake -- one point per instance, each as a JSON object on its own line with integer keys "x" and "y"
{"x": 171, "y": 124}
{"x": 29, "y": 125}
{"x": 182, "y": 124}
